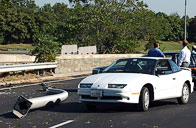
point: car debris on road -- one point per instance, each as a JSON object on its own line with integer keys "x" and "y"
{"x": 23, "y": 105}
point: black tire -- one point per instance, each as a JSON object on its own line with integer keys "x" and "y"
{"x": 144, "y": 100}
{"x": 90, "y": 106}
{"x": 185, "y": 95}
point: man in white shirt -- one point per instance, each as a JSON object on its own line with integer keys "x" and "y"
{"x": 185, "y": 55}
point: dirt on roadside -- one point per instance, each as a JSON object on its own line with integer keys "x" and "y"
{"x": 28, "y": 77}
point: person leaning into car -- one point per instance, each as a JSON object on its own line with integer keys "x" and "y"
{"x": 155, "y": 52}
{"x": 185, "y": 55}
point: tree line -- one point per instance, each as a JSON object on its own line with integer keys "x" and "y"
{"x": 114, "y": 26}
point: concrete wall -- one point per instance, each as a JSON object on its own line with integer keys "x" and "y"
{"x": 70, "y": 63}
{"x": 82, "y": 63}
{"x": 15, "y": 59}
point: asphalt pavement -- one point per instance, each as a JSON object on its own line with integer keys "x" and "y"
{"x": 73, "y": 114}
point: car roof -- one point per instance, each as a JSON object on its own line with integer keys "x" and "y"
{"x": 154, "y": 58}
{"x": 171, "y": 52}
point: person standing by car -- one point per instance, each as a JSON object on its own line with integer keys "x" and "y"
{"x": 185, "y": 55}
{"x": 155, "y": 52}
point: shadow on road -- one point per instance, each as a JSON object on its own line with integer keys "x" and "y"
{"x": 76, "y": 107}
{"x": 163, "y": 103}
{"x": 71, "y": 90}
{"x": 8, "y": 115}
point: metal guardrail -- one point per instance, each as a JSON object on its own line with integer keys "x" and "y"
{"x": 25, "y": 67}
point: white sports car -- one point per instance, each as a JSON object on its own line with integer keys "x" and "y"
{"x": 137, "y": 81}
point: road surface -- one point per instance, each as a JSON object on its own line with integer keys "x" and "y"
{"x": 73, "y": 114}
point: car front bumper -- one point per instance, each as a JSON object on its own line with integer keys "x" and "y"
{"x": 109, "y": 96}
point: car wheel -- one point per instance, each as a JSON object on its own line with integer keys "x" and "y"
{"x": 90, "y": 106}
{"x": 185, "y": 95}
{"x": 144, "y": 100}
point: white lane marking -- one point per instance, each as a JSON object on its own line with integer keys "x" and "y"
{"x": 61, "y": 124}
{"x": 21, "y": 86}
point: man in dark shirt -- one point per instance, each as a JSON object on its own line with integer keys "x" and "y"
{"x": 155, "y": 52}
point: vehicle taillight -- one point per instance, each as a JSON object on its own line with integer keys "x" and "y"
{"x": 192, "y": 68}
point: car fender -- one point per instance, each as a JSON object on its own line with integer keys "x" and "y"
{"x": 136, "y": 86}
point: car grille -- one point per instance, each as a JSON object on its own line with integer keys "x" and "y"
{"x": 102, "y": 98}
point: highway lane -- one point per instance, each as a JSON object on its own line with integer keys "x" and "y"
{"x": 73, "y": 114}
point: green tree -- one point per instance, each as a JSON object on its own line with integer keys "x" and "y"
{"x": 105, "y": 24}
{"x": 192, "y": 29}
{"x": 150, "y": 44}
{"x": 17, "y": 22}
{"x": 177, "y": 31}
{"x": 46, "y": 49}
{"x": 166, "y": 28}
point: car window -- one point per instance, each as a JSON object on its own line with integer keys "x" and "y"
{"x": 194, "y": 56}
{"x": 122, "y": 63}
{"x": 174, "y": 66}
{"x": 116, "y": 66}
{"x": 133, "y": 65}
{"x": 172, "y": 57}
{"x": 164, "y": 67}
{"x": 191, "y": 62}
{"x": 169, "y": 56}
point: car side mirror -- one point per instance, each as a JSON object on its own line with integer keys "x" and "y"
{"x": 95, "y": 71}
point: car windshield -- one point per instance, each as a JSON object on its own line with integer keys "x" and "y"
{"x": 133, "y": 65}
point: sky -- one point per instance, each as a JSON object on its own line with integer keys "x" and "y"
{"x": 166, "y": 6}
{"x": 172, "y": 6}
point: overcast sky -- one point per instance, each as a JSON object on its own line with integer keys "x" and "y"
{"x": 166, "y": 6}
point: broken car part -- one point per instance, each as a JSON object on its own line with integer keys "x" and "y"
{"x": 23, "y": 105}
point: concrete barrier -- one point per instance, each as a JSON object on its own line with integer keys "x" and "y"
{"x": 15, "y": 59}
{"x": 68, "y": 64}
{"x": 87, "y": 50}
{"x": 83, "y": 63}
{"x": 69, "y": 49}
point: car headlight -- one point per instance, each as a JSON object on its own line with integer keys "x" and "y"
{"x": 85, "y": 85}
{"x": 116, "y": 85}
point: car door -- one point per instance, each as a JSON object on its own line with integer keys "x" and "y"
{"x": 166, "y": 84}
{"x": 178, "y": 78}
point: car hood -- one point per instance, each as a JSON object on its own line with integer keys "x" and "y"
{"x": 102, "y": 80}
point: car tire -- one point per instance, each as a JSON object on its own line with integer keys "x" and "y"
{"x": 185, "y": 95}
{"x": 90, "y": 106}
{"x": 144, "y": 100}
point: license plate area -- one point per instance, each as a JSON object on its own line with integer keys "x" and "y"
{"x": 96, "y": 93}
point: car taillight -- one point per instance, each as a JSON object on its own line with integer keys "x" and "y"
{"x": 192, "y": 68}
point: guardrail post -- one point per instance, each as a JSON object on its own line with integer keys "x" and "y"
{"x": 24, "y": 73}
{"x": 44, "y": 72}
{"x": 38, "y": 72}
{"x": 52, "y": 71}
